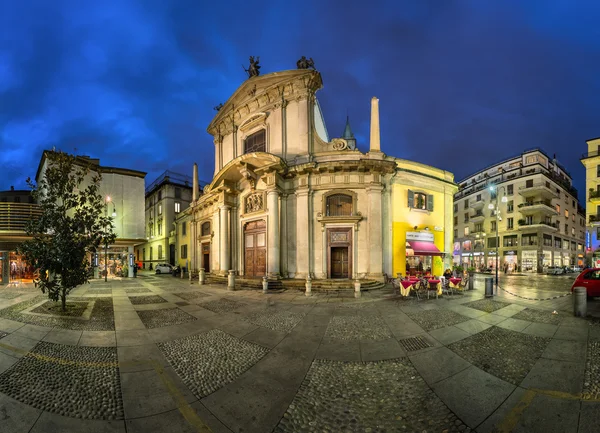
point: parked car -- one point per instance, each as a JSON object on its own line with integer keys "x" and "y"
{"x": 590, "y": 279}
{"x": 577, "y": 269}
{"x": 163, "y": 268}
{"x": 555, "y": 270}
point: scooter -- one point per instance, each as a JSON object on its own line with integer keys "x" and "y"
{"x": 176, "y": 271}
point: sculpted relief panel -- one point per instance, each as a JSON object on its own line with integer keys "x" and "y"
{"x": 254, "y": 202}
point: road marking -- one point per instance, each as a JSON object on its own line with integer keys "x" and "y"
{"x": 184, "y": 408}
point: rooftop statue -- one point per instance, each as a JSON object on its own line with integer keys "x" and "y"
{"x": 305, "y": 63}
{"x": 254, "y": 68}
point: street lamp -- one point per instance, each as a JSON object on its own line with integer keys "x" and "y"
{"x": 498, "y": 219}
{"x": 114, "y": 214}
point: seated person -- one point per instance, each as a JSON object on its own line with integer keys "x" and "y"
{"x": 448, "y": 274}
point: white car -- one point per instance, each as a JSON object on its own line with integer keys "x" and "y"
{"x": 555, "y": 270}
{"x": 163, "y": 268}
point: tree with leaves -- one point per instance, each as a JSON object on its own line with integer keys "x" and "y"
{"x": 72, "y": 225}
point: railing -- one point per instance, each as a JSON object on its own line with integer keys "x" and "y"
{"x": 594, "y": 218}
{"x": 477, "y": 215}
{"x": 14, "y": 216}
{"x": 536, "y": 185}
{"x": 535, "y": 203}
{"x": 594, "y": 194}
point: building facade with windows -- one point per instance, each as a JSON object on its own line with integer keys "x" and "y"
{"x": 591, "y": 162}
{"x": 525, "y": 209}
{"x": 286, "y": 201}
{"x": 165, "y": 199}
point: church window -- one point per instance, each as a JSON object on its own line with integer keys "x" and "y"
{"x": 205, "y": 229}
{"x": 256, "y": 142}
{"x": 339, "y": 205}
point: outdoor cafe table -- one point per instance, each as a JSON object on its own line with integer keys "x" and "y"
{"x": 405, "y": 287}
{"x": 435, "y": 285}
{"x": 455, "y": 282}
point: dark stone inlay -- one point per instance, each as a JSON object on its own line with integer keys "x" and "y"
{"x": 377, "y": 396}
{"x": 357, "y": 327}
{"x": 591, "y": 383}
{"x": 283, "y": 321}
{"x": 182, "y": 304}
{"x": 414, "y": 343}
{"x": 539, "y": 316}
{"x": 72, "y": 381}
{"x": 206, "y": 362}
{"x": 150, "y": 299}
{"x": 101, "y": 317}
{"x": 137, "y": 290}
{"x": 189, "y": 296}
{"x": 100, "y": 291}
{"x": 487, "y": 305}
{"x": 436, "y": 318}
{"x": 164, "y": 317}
{"x": 506, "y": 354}
{"x": 222, "y": 305}
{"x": 72, "y": 309}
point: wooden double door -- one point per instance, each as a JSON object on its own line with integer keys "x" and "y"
{"x": 339, "y": 248}
{"x": 255, "y": 249}
{"x": 340, "y": 264}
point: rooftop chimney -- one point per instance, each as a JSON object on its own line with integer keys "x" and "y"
{"x": 375, "y": 145}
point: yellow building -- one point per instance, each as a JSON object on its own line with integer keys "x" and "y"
{"x": 591, "y": 161}
{"x": 421, "y": 216}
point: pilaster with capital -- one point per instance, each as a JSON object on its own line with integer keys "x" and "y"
{"x": 375, "y": 222}
{"x": 273, "y": 247}
{"x": 302, "y": 232}
{"x": 224, "y": 248}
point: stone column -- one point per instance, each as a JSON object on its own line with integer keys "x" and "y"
{"x": 283, "y": 252}
{"x": 302, "y": 235}
{"x": 273, "y": 252}
{"x": 5, "y": 267}
{"x": 224, "y": 263}
{"x": 375, "y": 231}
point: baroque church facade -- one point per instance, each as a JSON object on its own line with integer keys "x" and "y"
{"x": 288, "y": 202}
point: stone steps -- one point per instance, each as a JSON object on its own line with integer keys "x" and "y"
{"x": 297, "y": 284}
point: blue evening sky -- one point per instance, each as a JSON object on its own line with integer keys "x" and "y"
{"x": 462, "y": 84}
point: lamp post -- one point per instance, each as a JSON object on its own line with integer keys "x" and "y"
{"x": 498, "y": 219}
{"x": 105, "y": 240}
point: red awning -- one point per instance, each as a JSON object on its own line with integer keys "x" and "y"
{"x": 424, "y": 248}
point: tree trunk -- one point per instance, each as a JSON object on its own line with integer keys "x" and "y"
{"x": 63, "y": 297}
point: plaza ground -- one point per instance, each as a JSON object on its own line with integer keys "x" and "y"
{"x": 158, "y": 354}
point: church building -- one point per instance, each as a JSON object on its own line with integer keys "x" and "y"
{"x": 288, "y": 202}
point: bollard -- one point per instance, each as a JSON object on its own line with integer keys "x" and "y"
{"x": 489, "y": 287}
{"x": 357, "y": 292}
{"x": 190, "y": 275}
{"x": 231, "y": 280}
{"x": 265, "y": 285}
{"x": 470, "y": 283}
{"x": 580, "y": 301}
{"x": 308, "y": 286}
{"x": 201, "y": 277}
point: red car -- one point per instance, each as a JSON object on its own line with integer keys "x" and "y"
{"x": 590, "y": 279}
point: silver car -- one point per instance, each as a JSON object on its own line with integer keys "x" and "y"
{"x": 163, "y": 268}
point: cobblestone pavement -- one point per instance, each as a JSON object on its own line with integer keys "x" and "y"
{"x": 222, "y": 305}
{"x": 204, "y": 371}
{"x": 487, "y": 305}
{"x": 143, "y": 300}
{"x": 436, "y": 318}
{"x": 72, "y": 308}
{"x": 78, "y": 382}
{"x": 9, "y": 295}
{"x": 164, "y": 317}
{"x": 190, "y": 296}
{"x": 283, "y": 321}
{"x": 591, "y": 384}
{"x": 366, "y": 397}
{"x": 100, "y": 291}
{"x": 101, "y": 319}
{"x": 137, "y": 290}
{"x": 357, "y": 328}
{"x": 506, "y": 354}
{"x": 539, "y": 316}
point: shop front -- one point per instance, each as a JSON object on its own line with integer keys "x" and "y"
{"x": 422, "y": 255}
{"x": 510, "y": 261}
{"x": 113, "y": 259}
{"x": 529, "y": 261}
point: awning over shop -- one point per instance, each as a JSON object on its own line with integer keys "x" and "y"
{"x": 420, "y": 248}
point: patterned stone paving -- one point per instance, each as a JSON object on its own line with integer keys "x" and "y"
{"x": 100, "y": 291}
{"x": 137, "y": 290}
{"x": 101, "y": 319}
{"x": 77, "y": 382}
{"x": 539, "y": 316}
{"x": 3, "y": 334}
{"x": 283, "y": 321}
{"x": 222, "y": 305}
{"x": 357, "y": 328}
{"x": 190, "y": 296}
{"x": 437, "y": 318}
{"x": 384, "y": 396}
{"x": 206, "y": 362}
{"x": 591, "y": 383}
{"x": 164, "y": 317}
{"x": 487, "y": 305}
{"x": 9, "y": 295}
{"x": 72, "y": 308}
{"x": 506, "y": 354}
{"x": 150, "y": 299}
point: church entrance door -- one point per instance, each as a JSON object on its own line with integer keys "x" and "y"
{"x": 339, "y": 252}
{"x": 339, "y": 262}
{"x": 255, "y": 249}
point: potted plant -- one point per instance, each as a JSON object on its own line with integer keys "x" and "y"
{"x": 459, "y": 269}
{"x": 471, "y": 270}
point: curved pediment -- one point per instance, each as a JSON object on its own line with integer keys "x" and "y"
{"x": 256, "y": 93}
{"x": 247, "y": 166}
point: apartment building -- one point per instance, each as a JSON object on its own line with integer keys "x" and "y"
{"x": 591, "y": 162}
{"x": 519, "y": 214}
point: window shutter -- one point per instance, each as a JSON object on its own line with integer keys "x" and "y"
{"x": 411, "y": 198}
{"x": 429, "y": 202}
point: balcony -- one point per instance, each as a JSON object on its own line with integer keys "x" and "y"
{"x": 523, "y": 224}
{"x": 14, "y": 216}
{"x": 538, "y": 207}
{"x": 595, "y": 219}
{"x": 477, "y": 216}
{"x": 594, "y": 196}
{"x": 478, "y": 204}
{"x": 545, "y": 189}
